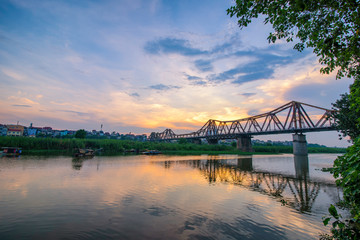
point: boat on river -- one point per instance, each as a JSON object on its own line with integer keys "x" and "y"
{"x": 11, "y": 151}
{"x": 82, "y": 152}
{"x": 152, "y": 152}
{"x": 86, "y": 152}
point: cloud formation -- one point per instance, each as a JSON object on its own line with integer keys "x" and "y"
{"x": 171, "y": 46}
{"x": 18, "y": 105}
{"x": 163, "y": 87}
{"x": 203, "y": 65}
{"x": 146, "y": 65}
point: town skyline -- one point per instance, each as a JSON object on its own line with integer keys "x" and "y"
{"x": 144, "y": 66}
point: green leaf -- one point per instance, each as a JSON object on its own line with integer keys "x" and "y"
{"x": 333, "y": 212}
{"x": 326, "y": 221}
{"x": 341, "y": 225}
{"x": 334, "y": 225}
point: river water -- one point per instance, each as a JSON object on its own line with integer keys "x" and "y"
{"x": 165, "y": 197}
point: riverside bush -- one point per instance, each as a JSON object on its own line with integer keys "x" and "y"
{"x": 108, "y": 145}
{"x": 346, "y": 171}
{"x": 112, "y": 146}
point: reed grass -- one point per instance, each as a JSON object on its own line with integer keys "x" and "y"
{"x": 66, "y": 146}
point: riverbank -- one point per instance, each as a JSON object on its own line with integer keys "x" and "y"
{"x": 56, "y": 146}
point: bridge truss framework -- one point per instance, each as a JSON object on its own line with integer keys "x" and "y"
{"x": 289, "y": 118}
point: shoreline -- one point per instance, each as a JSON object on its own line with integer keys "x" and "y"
{"x": 59, "y": 146}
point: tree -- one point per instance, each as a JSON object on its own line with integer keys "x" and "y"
{"x": 80, "y": 134}
{"x": 345, "y": 116}
{"x": 183, "y": 141}
{"x": 330, "y": 27}
{"x": 346, "y": 169}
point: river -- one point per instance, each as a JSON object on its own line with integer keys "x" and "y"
{"x": 166, "y": 197}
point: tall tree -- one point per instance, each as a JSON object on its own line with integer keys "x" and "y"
{"x": 330, "y": 27}
{"x": 345, "y": 118}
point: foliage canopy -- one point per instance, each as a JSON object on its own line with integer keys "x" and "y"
{"x": 80, "y": 133}
{"x": 330, "y": 27}
{"x": 346, "y": 171}
{"x": 346, "y": 117}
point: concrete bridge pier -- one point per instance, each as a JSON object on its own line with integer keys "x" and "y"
{"x": 299, "y": 144}
{"x": 212, "y": 141}
{"x": 244, "y": 144}
{"x": 301, "y": 166}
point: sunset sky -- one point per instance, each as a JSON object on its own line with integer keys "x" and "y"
{"x": 146, "y": 65}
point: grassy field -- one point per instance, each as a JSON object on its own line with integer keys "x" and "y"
{"x": 55, "y": 146}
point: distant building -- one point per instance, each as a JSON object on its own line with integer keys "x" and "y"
{"x": 3, "y": 130}
{"x": 71, "y": 132}
{"x": 56, "y": 133}
{"x": 31, "y": 132}
{"x": 15, "y": 130}
{"x": 47, "y": 130}
{"x": 43, "y": 131}
{"x": 63, "y": 133}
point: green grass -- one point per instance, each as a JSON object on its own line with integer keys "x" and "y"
{"x": 47, "y": 152}
{"x": 56, "y": 146}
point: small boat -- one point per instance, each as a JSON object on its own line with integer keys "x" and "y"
{"x": 80, "y": 152}
{"x": 11, "y": 151}
{"x": 130, "y": 151}
{"x": 152, "y": 152}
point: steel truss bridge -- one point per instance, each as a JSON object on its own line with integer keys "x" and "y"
{"x": 293, "y": 117}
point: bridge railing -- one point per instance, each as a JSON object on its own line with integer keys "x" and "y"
{"x": 289, "y": 118}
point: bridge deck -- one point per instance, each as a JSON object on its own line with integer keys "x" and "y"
{"x": 289, "y": 118}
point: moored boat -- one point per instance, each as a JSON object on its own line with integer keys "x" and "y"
{"x": 11, "y": 151}
{"x": 151, "y": 152}
{"x": 80, "y": 152}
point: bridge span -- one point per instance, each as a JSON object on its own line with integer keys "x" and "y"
{"x": 293, "y": 117}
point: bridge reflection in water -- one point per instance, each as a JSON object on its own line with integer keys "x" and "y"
{"x": 296, "y": 191}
